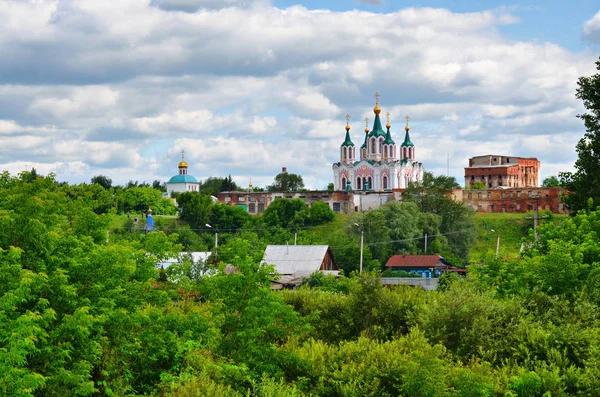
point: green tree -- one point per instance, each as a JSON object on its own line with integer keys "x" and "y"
{"x": 284, "y": 212}
{"x": 102, "y": 180}
{"x": 195, "y": 209}
{"x": 584, "y": 183}
{"x": 286, "y": 182}
{"x": 478, "y": 186}
{"x": 319, "y": 212}
{"x": 433, "y": 195}
{"x": 214, "y": 185}
{"x": 551, "y": 181}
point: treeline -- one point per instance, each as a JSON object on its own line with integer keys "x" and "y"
{"x": 80, "y": 316}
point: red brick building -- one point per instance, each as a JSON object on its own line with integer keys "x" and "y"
{"x": 502, "y": 171}
{"x": 515, "y": 199}
{"x": 255, "y": 203}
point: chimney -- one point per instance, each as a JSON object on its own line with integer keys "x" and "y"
{"x": 284, "y": 170}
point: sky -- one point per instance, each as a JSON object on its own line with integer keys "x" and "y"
{"x": 246, "y": 87}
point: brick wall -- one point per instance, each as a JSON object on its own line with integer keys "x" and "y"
{"x": 515, "y": 199}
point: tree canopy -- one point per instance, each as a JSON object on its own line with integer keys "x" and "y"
{"x": 584, "y": 183}
{"x": 286, "y": 182}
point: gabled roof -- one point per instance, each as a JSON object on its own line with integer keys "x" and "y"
{"x": 300, "y": 260}
{"x": 416, "y": 261}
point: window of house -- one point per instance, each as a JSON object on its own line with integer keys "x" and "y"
{"x": 337, "y": 207}
{"x": 227, "y": 199}
{"x": 518, "y": 194}
{"x": 241, "y": 199}
{"x": 251, "y": 198}
{"x": 252, "y": 208}
{"x": 489, "y": 195}
{"x": 261, "y": 208}
{"x": 479, "y": 195}
{"x": 529, "y": 194}
{"x": 261, "y": 199}
{"x": 503, "y": 194}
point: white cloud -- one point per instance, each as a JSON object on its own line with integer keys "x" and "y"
{"x": 246, "y": 88}
{"x": 591, "y": 29}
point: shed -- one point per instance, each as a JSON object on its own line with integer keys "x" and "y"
{"x": 301, "y": 260}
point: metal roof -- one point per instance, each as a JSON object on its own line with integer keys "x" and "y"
{"x": 301, "y": 260}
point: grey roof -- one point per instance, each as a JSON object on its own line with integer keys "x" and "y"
{"x": 299, "y": 260}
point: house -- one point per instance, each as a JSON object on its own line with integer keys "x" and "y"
{"x": 295, "y": 262}
{"x": 426, "y": 266}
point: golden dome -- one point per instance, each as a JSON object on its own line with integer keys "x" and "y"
{"x": 388, "y": 125}
{"x": 347, "y": 127}
{"x": 406, "y": 128}
{"x": 377, "y": 109}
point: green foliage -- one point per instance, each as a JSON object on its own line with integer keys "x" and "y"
{"x": 433, "y": 195}
{"x": 551, "y": 181}
{"x": 584, "y": 183}
{"x": 286, "y": 213}
{"x": 478, "y": 186}
{"x": 286, "y": 182}
{"x": 319, "y": 213}
{"x": 83, "y": 316}
{"x": 102, "y": 180}
{"x": 214, "y": 185}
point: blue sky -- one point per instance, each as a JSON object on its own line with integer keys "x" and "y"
{"x": 249, "y": 86}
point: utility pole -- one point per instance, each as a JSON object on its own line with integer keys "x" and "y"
{"x": 362, "y": 237}
{"x": 295, "y": 238}
{"x": 497, "y": 243}
{"x": 536, "y": 216}
{"x": 425, "y": 243}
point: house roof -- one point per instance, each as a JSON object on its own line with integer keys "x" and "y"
{"x": 301, "y": 260}
{"x": 412, "y": 261}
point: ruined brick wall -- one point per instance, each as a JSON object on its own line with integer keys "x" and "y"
{"x": 515, "y": 199}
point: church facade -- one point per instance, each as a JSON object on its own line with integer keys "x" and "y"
{"x": 382, "y": 164}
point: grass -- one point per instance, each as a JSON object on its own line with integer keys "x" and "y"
{"x": 511, "y": 227}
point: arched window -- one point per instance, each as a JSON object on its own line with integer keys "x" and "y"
{"x": 381, "y": 146}
{"x": 385, "y": 185}
{"x": 385, "y": 151}
{"x": 343, "y": 184}
{"x": 370, "y": 183}
{"x": 358, "y": 184}
{"x": 372, "y": 145}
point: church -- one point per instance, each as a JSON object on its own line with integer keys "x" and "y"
{"x": 182, "y": 182}
{"x": 382, "y": 165}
